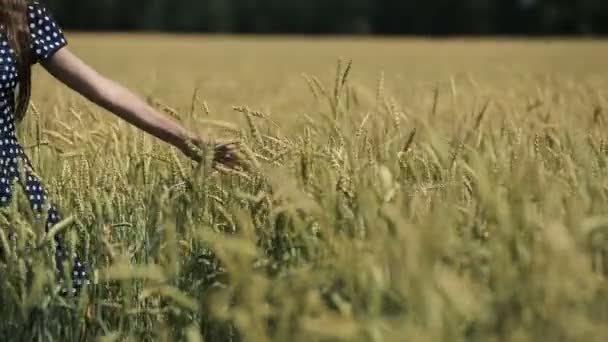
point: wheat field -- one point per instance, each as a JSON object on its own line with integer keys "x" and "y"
{"x": 402, "y": 190}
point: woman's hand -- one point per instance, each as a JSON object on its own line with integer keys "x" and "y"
{"x": 226, "y": 154}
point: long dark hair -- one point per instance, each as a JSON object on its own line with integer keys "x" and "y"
{"x": 13, "y": 17}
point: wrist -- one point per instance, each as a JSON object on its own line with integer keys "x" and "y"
{"x": 193, "y": 146}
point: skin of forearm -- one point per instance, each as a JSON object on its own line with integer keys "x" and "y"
{"x": 128, "y": 106}
{"x": 117, "y": 99}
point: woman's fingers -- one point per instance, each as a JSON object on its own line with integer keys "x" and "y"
{"x": 228, "y": 143}
{"x": 229, "y": 155}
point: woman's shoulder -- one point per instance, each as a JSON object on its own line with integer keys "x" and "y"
{"x": 38, "y": 15}
{"x": 46, "y": 35}
{"x": 36, "y": 9}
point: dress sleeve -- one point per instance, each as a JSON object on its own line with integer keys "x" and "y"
{"x": 46, "y": 35}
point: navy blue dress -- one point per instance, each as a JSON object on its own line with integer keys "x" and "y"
{"x": 46, "y": 39}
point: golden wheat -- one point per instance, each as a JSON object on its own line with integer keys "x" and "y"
{"x": 405, "y": 195}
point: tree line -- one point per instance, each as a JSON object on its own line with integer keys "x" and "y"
{"x": 411, "y": 17}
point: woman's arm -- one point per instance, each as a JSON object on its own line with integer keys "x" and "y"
{"x": 77, "y": 75}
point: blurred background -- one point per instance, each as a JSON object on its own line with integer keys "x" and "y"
{"x": 386, "y": 17}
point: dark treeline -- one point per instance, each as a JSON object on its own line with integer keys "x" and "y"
{"x": 419, "y": 17}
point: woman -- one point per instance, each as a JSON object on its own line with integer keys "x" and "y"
{"x": 29, "y": 35}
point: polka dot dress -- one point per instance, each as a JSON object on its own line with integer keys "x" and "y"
{"x": 46, "y": 39}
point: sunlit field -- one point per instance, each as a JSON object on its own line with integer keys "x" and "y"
{"x": 401, "y": 190}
